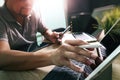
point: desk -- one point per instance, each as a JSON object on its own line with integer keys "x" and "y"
{"x": 40, "y": 73}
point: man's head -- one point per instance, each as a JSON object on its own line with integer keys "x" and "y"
{"x": 20, "y": 7}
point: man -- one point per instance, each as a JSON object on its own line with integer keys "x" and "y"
{"x": 18, "y": 27}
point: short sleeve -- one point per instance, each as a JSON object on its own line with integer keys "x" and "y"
{"x": 39, "y": 24}
{"x": 3, "y": 30}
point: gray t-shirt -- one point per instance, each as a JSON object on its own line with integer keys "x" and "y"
{"x": 16, "y": 34}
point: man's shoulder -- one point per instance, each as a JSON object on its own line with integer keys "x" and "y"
{"x": 35, "y": 17}
{"x": 2, "y": 9}
{"x": 2, "y": 14}
{"x": 36, "y": 14}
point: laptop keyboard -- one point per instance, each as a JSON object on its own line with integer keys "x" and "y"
{"x": 65, "y": 73}
{"x": 103, "y": 51}
{"x": 83, "y": 36}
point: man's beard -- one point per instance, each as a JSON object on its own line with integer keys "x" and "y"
{"x": 21, "y": 13}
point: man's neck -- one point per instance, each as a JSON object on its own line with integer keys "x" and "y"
{"x": 19, "y": 19}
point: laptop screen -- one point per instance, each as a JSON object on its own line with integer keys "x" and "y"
{"x": 112, "y": 38}
{"x": 111, "y": 41}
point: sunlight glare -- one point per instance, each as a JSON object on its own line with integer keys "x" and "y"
{"x": 52, "y": 12}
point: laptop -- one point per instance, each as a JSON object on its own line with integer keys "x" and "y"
{"x": 104, "y": 65}
{"x": 111, "y": 43}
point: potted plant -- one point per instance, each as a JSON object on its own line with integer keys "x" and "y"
{"x": 109, "y": 18}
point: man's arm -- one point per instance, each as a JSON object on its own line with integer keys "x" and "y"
{"x": 60, "y": 56}
{"x": 19, "y": 60}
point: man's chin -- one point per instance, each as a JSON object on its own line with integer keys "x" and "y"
{"x": 25, "y": 15}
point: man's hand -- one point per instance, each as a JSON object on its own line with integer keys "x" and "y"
{"x": 70, "y": 50}
{"x": 53, "y": 37}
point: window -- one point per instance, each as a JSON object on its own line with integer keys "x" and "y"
{"x": 52, "y": 13}
{"x": 1, "y": 2}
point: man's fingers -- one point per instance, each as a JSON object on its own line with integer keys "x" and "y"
{"x": 75, "y": 42}
{"x": 56, "y": 34}
{"x": 73, "y": 66}
{"x": 78, "y": 57}
{"x": 79, "y": 51}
